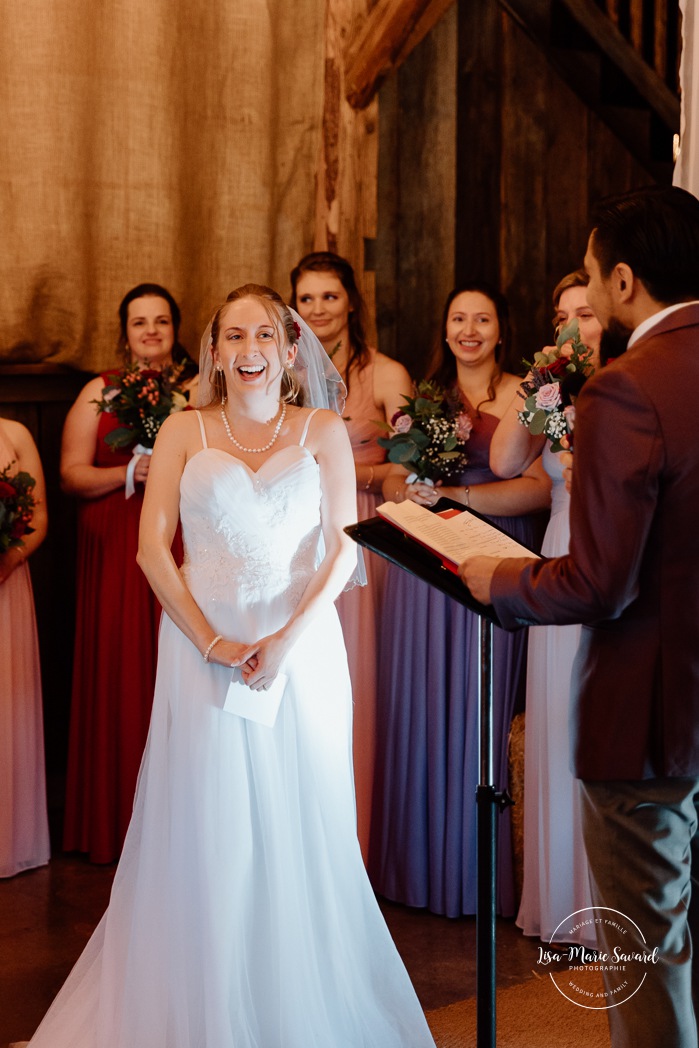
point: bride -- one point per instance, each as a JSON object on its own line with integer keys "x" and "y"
{"x": 241, "y": 915}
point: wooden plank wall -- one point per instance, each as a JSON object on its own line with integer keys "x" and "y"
{"x": 489, "y": 166}
{"x": 557, "y": 160}
{"x": 417, "y": 195}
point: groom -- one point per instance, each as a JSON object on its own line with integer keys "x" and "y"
{"x": 632, "y": 575}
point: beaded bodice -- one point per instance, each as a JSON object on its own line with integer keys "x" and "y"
{"x": 250, "y": 537}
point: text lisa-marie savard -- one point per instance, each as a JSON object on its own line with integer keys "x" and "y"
{"x": 581, "y": 955}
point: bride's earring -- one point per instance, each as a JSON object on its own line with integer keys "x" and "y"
{"x": 219, "y": 381}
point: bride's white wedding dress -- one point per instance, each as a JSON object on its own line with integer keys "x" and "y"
{"x": 241, "y": 915}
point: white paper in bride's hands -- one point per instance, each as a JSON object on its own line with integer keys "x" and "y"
{"x": 453, "y": 538}
{"x": 260, "y": 706}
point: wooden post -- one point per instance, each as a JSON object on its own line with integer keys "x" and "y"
{"x": 362, "y": 46}
{"x": 347, "y": 168}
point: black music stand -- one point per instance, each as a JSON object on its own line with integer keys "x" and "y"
{"x": 389, "y": 542}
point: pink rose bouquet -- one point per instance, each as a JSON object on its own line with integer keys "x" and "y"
{"x": 428, "y": 436}
{"x": 553, "y": 380}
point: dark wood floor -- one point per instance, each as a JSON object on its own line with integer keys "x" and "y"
{"x": 47, "y": 915}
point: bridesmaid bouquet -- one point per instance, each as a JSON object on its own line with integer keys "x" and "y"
{"x": 17, "y": 504}
{"x": 554, "y": 379}
{"x": 141, "y": 400}
{"x": 428, "y": 436}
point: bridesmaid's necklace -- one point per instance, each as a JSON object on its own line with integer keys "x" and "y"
{"x": 253, "y": 451}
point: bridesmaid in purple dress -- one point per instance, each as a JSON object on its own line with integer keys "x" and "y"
{"x": 423, "y": 844}
{"x": 325, "y": 294}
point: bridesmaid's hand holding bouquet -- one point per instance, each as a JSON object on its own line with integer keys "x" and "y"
{"x": 428, "y": 436}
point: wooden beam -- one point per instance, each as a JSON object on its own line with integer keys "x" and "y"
{"x": 392, "y": 30}
{"x": 629, "y": 62}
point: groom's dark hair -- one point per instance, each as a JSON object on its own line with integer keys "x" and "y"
{"x": 655, "y": 231}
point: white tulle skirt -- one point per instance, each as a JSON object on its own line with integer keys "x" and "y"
{"x": 240, "y": 915}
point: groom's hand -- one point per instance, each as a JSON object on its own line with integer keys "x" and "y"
{"x": 476, "y": 573}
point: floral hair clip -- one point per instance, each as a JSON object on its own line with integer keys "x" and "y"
{"x": 297, "y": 329}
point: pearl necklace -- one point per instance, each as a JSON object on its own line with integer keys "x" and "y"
{"x": 254, "y": 451}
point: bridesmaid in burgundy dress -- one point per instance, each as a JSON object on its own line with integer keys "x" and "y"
{"x": 423, "y": 844}
{"x": 325, "y": 294}
{"x": 117, "y": 616}
{"x": 24, "y": 831}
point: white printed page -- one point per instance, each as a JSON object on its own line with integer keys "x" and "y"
{"x": 455, "y": 538}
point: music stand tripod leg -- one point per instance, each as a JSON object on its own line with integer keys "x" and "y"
{"x": 490, "y": 803}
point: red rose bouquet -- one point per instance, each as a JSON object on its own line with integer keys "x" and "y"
{"x": 428, "y": 436}
{"x": 141, "y": 400}
{"x": 554, "y": 380}
{"x": 17, "y": 504}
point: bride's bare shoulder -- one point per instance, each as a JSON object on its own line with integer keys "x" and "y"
{"x": 179, "y": 428}
{"x": 322, "y": 418}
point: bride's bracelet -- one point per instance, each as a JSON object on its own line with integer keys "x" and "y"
{"x": 214, "y": 642}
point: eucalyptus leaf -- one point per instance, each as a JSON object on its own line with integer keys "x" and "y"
{"x": 537, "y": 424}
{"x": 426, "y": 407}
{"x": 570, "y": 332}
{"x": 404, "y": 453}
{"x": 419, "y": 439}
{"x": 119, "y": 438}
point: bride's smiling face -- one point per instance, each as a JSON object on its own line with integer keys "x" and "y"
{"x": 251, "y": 347}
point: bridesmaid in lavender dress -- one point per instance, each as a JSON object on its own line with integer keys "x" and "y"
{"x": 556, "y": 879}
{"x": 325, "y": 294}
{"x": 24, "y": 833}
{"x": 423, "y": 844}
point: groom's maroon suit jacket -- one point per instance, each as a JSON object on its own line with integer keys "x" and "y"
{"x": 632, "y": 573}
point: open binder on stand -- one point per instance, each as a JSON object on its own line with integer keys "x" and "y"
{"x": 436, "y": 567}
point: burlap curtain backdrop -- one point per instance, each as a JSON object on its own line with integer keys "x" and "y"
{"x": 168, "y": 140}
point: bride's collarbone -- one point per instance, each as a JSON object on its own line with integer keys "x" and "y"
{"x": 289, "y": 436}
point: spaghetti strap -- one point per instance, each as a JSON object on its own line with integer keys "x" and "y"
{"x": 201, "y": 427}
{"x": 305, "y": 428}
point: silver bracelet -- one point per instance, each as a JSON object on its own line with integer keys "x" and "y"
{"x": 467, "y": 497}
{"x": 214, "y": 642}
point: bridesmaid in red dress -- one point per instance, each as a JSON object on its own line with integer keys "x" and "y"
{"x": 325, "y": 294}
{"x": 117, "y": 616}
{"x": 24, "y": 831}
